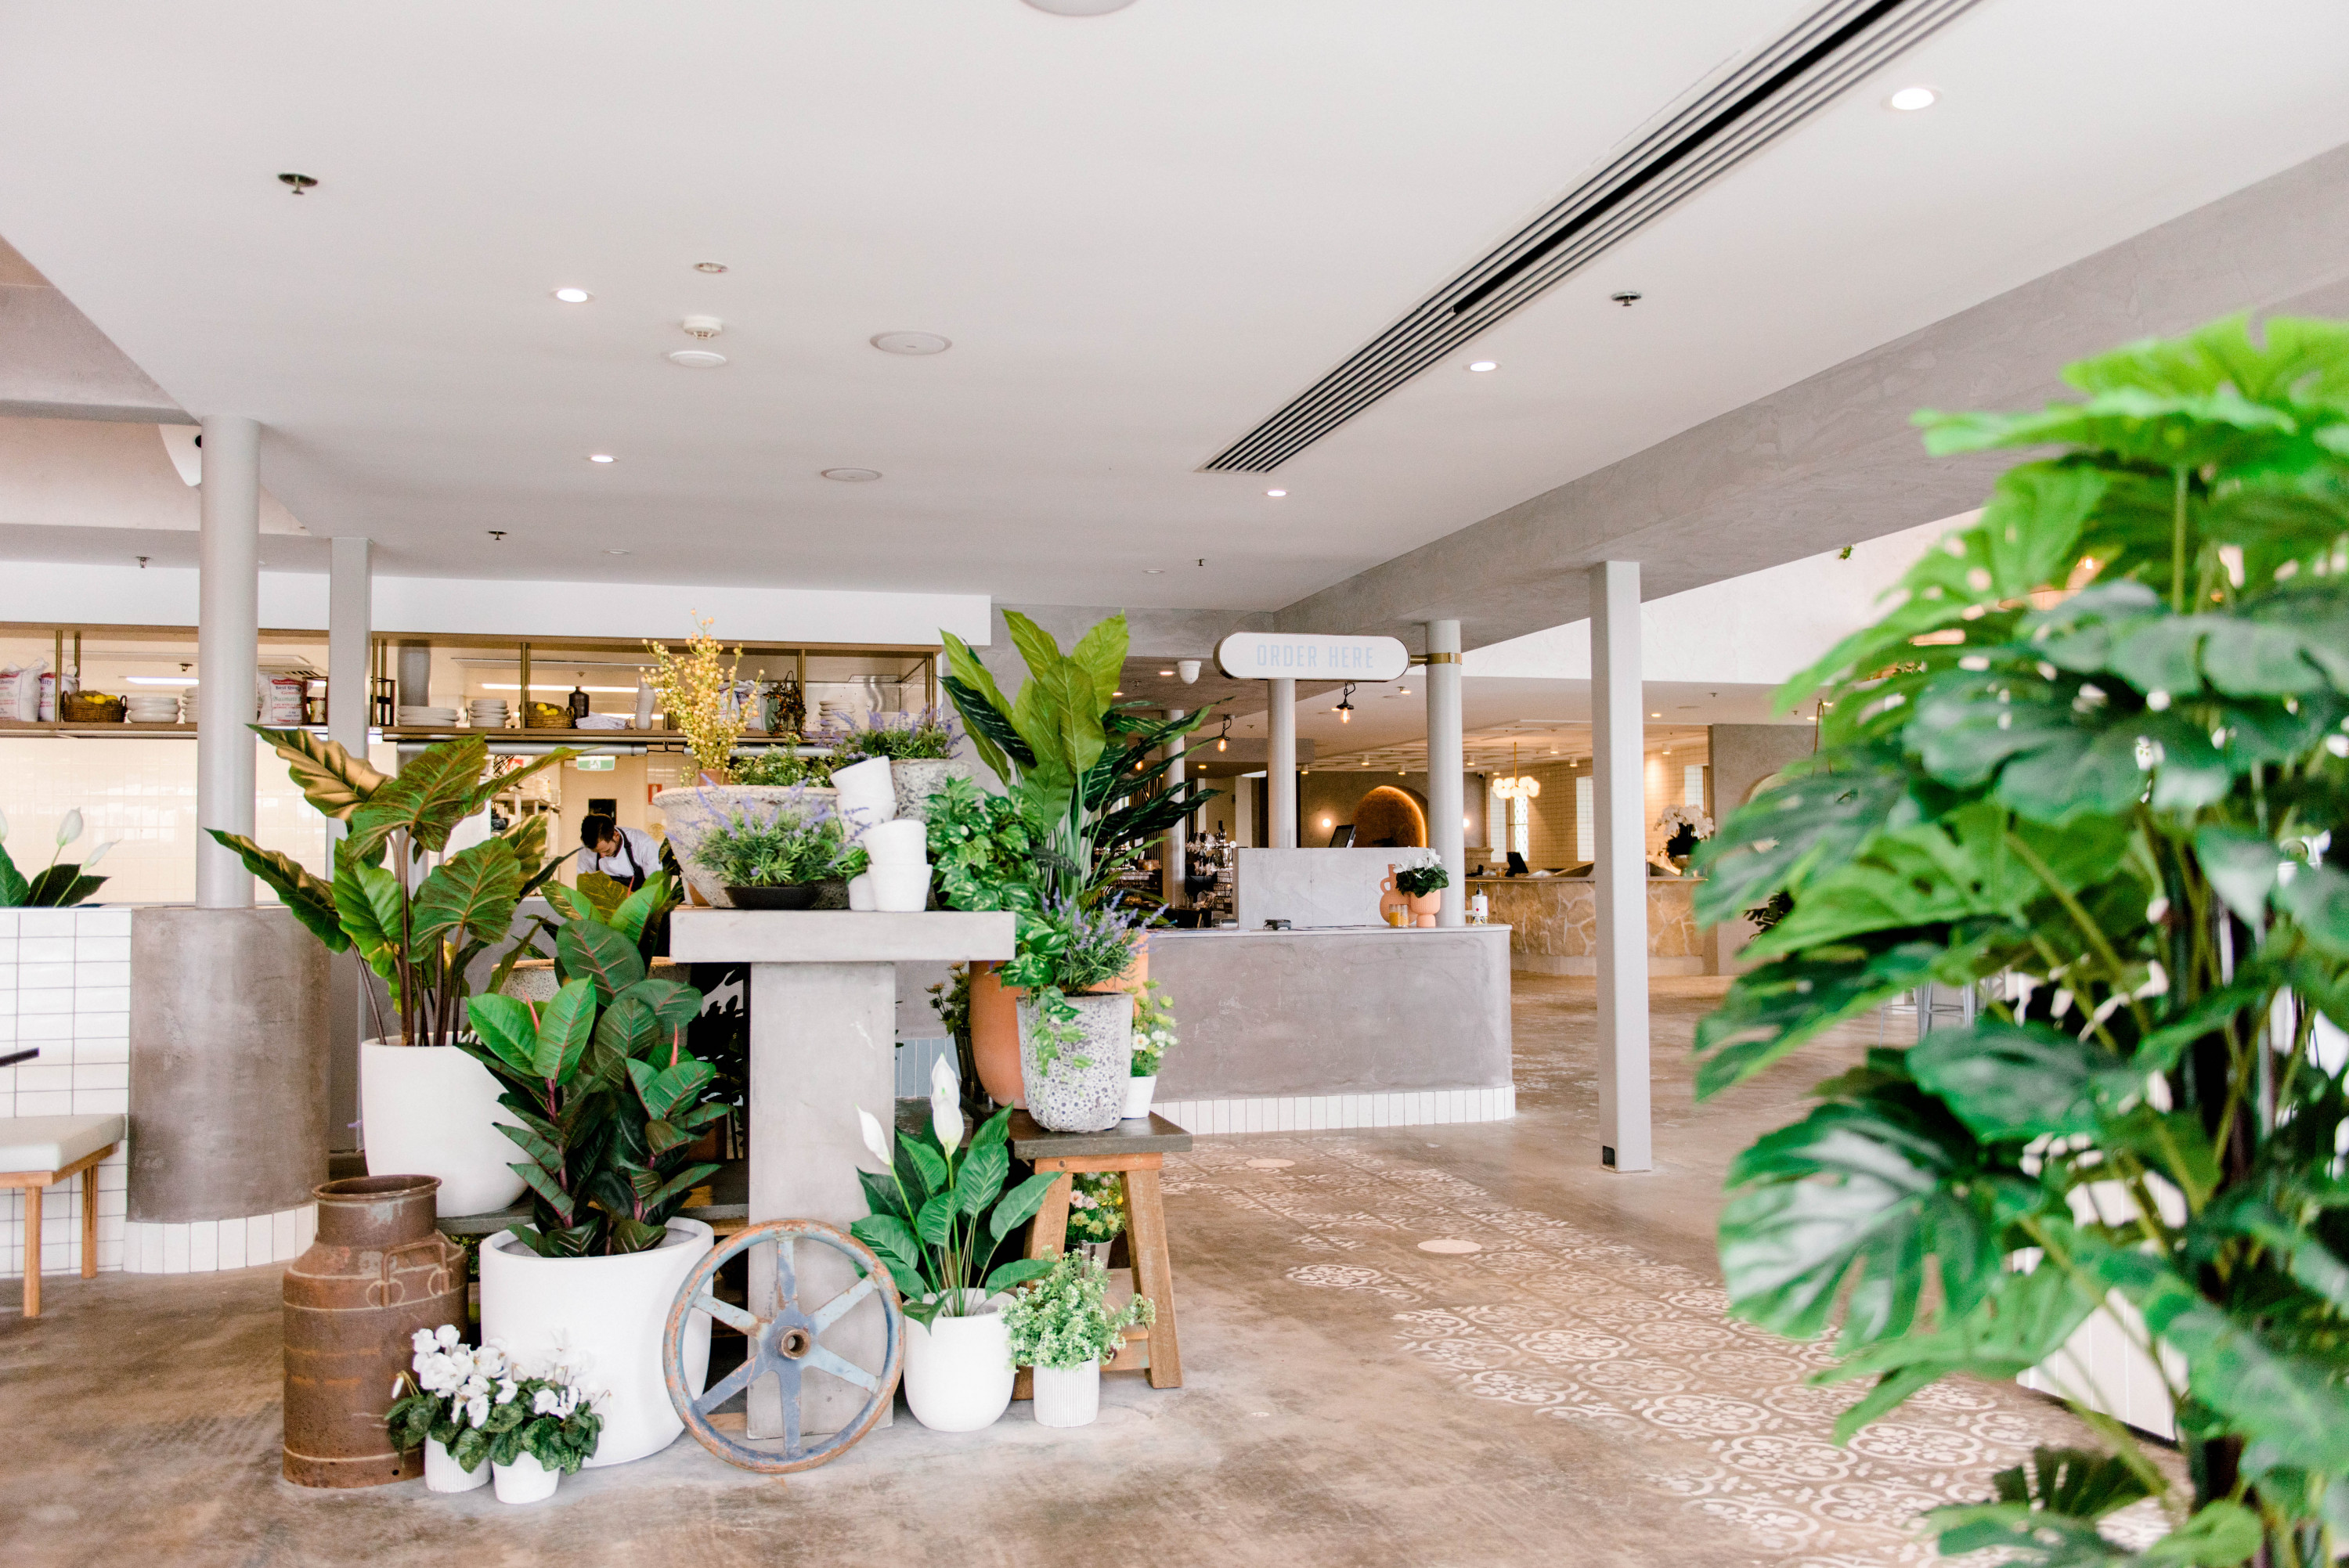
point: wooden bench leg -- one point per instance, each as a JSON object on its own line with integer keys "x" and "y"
{"x": 1048, "y": 1237}
{"x": 1153, "y": 1275}
{"x": 89, "y": 1222}
{"x": 32, "y": 1251}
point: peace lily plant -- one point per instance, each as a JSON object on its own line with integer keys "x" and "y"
{"x": 2092, "y": 763}
{"x": 59, "y": 883}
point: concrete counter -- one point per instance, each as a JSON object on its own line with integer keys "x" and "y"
{"x": 1554, "y": 923}
{"x": 1335, "y": 1027}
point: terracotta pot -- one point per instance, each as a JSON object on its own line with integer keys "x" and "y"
{"x": 1391, "y": 897}
{"x": 1426, "y": 906}
{"x": 377, "y": 1274}
{"x": 995, "y": 1036}
{"x": 1137, "y": 973}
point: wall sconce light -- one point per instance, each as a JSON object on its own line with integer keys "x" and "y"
{"x": 1224, "y": 740}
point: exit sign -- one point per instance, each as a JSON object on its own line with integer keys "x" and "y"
{"x": 596, "y": 764}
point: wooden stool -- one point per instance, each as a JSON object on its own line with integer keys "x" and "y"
{"x": 1136, "y": 1151}
{"x": 37, "y": 1152}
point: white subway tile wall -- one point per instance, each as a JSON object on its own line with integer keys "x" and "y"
{"x": 65, "y": 987}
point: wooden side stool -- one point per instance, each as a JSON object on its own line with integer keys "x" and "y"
{"x": 1135, "y": 1150}
{"x": 37, "y": 1152}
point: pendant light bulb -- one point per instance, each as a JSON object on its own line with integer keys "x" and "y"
{"x": 1346, "y": 705}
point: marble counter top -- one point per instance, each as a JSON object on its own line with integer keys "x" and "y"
{"x": 1554, "y": 923}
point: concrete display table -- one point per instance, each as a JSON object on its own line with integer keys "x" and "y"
{"x": 824, "y": 999}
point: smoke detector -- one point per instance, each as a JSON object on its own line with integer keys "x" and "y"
{"x": 698, "y": 359}
{"x": 914, "y": 342}
{"x": 702, "y": 327}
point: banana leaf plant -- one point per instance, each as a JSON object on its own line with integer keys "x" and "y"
{"x": 1078, "y": 762}
{"x": 416, "y": 924}
{"x": 607, "y": 1101}
{"x": 2094, "y": 762}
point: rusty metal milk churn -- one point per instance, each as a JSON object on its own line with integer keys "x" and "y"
{"x": 377, "y": 1274}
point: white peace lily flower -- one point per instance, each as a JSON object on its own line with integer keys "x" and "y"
{"x": 70, "y": 828}
{"x": 945, "y": 1105}
{"x": 4, "y": 826}
{"x": 874, "y": 1139}
{"x": 98, "y": 854}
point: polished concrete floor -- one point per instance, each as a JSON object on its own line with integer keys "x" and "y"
{"x": 1568, "y": 1391}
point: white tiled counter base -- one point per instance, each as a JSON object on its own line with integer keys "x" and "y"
{"x": 203, "y": 1246}
{"x": 65, "y": 987}
{"x": 1312, "y": 1113}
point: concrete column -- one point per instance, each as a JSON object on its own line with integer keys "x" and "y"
{"x": 350, "y": 613}
{"x": 1172, "y": 855}
{"x": 1620, "y": 871}
{"x": 414, "y": 674}
{"x": 1280, "y": 766}
{"x": 228, "y": 652}
{"x": 1445, "y": 766}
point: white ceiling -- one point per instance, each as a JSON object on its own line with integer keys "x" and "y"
{"x": 1142, "y": 231}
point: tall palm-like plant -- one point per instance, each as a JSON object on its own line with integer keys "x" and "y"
{"x": 2092, "y": 762}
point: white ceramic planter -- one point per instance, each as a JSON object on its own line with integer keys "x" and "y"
{"x": 959, "y": 1371}
{"x": 860, "y": 891}
{"x": 443, "y": 1473}
{"x": 690, "y": 810}
{"x": 1138, "y": 1091}
{"x": 901, "y": 890}
{"x": 917, "y": 780}
{"x": 432, "y": 1110}
{"x": 866, "y": 794}
{"x": 1067, "y": 1397}
{"x": 526, "y": 1479}
{"x": 603, "y": 1316}
{"x": 1089, "y": 1098}
{"x": 900, "y": 842}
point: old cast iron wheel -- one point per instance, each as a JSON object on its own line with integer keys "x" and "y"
{"x": 786, "y": 1345}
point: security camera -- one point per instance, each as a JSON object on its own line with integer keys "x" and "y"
{"x": 1188, "y": 670}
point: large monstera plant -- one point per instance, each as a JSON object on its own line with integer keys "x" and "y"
{"x": 2090, "y": 764}
{"x": 420, "y": 920}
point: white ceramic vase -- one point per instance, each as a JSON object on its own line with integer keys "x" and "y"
{"x": 1138, "y": 1091}
{"x": 1090, "y": 1096}
{"x": 603, "y": 1316}
{"x": 866, "y": 794}
{"x": 860, "y": 891}
{"x": 958, "y": 1370}
{"x": 688, "y": 811}
{"x": 900, "y": 842}
{"x": 443, "y": 1473}
{"x": 918, "y": 778}
{"x": 1067, "y": 1397}
{"x": 526, "y": 1479}
{"x": 433, "y": 1110}
{"x": 901, "y": 890}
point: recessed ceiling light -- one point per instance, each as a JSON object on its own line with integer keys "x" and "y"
{"x": 1482, "y": 365}
{"x": 573, "y": 296}
{"x": 1079, "y": 7}
{"x": 601, "y": 458}
{"x": 1655, "y": 716}
{"x": 615, "y": 553}
{"x": 852, "y": 476}
{"x": 709, "y": 266}
{"x": 698, "y": 359}
{"x": 1908, "y": 100}
{"x": 1275, "y": 493}
{"x": 1153, "y": 572}
{"x": 911, "y": 342}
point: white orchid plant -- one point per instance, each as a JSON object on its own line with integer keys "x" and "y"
{"x": 930, "y": 1222}
{"x": 481, "y": 1404}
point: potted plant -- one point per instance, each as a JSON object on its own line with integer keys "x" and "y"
{"x": 450, "y": 1390}
{"x": 1154, "y": 1036}
{"x": 1096, "y": 1212}
{"x": 2092, "y": 764}
{"x": 1076, "y": 1027}
{"x": 59, "y": 883}
{"x": 605, "y": 1104}
{"x": 1062, "y": 1326}
{"x": 420, "y": 923}
{"x": 1423, "y": 885}
{"x": 983, "y": 857}
{"x": 932, "y": 1224}
{"x": 781, "y": 767}
{"x": 779, "y": 857}
{"x": 918, "y": 746}
{"x": 556, "y": 1429}
{"x": 1685, "y": 828}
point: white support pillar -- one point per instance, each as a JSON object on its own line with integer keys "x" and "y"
{"x": 1446, "y": 768}
{"x": 1620, "y": 871}
{"x": 1280, "y": 766}
{"x": 350, "y": 612}
{"x": 1171, "y": 855}
{"x": 228, "y": 652}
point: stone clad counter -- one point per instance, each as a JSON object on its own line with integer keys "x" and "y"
{"x": 1554, "y": 923}
{"x": 1335, "y": 1027}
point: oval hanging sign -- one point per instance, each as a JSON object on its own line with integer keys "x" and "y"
{"x": 1282, "y": 655}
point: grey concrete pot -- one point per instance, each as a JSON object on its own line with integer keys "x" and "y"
{"x": 1089, "y": 1098}
{"x": 691, "y": 810}
{"x": 916, "y": 780}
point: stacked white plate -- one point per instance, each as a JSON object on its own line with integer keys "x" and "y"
{"x": 153, "y": 708}
{"x": 487, "y": 712}
{"x": 422, "y": 718}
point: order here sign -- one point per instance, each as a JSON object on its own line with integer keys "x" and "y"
{"x": 1277, "y": 656}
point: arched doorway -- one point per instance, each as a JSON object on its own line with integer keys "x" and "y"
{"x": 1390, "y": 818}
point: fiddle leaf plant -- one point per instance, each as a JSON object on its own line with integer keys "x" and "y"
{"x": 2092, "y": 764}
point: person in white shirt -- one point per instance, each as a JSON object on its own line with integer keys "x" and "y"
{"x": 626, "y": 855}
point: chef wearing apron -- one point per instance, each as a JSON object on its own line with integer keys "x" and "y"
{"x": 624, "y": 854}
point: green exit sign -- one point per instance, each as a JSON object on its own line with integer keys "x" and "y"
{"x": 596, "y": 764}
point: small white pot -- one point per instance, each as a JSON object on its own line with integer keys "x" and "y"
{"x": 1090, "y": 1097}
{"x": 443, "y": 1473}
{"x": 526, "y": 1479}
{"x": 1067, "y": 1397}
{"x": 866, "y": 794}
{"x": 1138, "y": 1091}
{"x": 860, "y": 891}
{"x": 900, "y": 842}
{"x": 604, "y": 1317}
{"x": 959, "y": 1371}
{"x": 1097, "y": 1251}
{"x": 432, "y": 1110}
{"x": 901, "y": 890}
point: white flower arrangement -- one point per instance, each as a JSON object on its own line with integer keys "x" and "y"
{"x": 1675, "y": 818}
{"x": 481, "y": 1403}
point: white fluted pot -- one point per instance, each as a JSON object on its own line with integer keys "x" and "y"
{"x": 433, "y": 1110}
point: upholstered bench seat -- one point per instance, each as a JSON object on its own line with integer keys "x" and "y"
{"x": 37, "y": 1152}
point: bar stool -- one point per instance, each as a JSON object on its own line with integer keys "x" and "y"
{"x": 37, "y": 1152}
{"x": 1137, "y": 1150}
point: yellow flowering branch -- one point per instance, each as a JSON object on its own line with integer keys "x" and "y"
{"x": 697, "y": 691}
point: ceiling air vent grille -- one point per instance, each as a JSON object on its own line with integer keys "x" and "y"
{"x": 1740, "y": 110}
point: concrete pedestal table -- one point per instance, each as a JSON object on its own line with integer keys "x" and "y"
{"x": 824, "y": 997}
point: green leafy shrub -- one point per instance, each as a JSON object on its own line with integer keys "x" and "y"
{"x": 2092, "y": 763}
{"x": 1063, "y": 1320}
{"x": 900, "y": 736}
{"x": 782, "y": 846}
{"x": 780, "y": 766}
{"x": 1153, "y": 1029}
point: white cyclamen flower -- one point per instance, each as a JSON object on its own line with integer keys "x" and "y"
{"x": 448, "y": 1335}
{"x": 945, "y": 1105}
{"x": 477, "y": 1410}
{"x": 424, "y": 1345}
{"x": 874, "y": 1139}
{"x": 507, "y": 1389}
{"x": 544, "y": 1401}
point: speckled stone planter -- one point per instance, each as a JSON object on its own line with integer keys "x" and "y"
{"x": 1088, "y": 1099}
{"x": 691, "y": 810}
{"x": 916, "y": 780}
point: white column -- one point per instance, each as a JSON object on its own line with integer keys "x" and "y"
{"x": 1620, "y": 871}
{"x": 1171, "y": 854}
{"x": 1445, "y": 766}
{"x": 1280, "y": 766}
{"x": 350, "y": 662}
{"x": 228, "y": 652}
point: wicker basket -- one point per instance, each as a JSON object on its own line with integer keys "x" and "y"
{"x": 546, "y": 715}
{"x": 92, "y": 707}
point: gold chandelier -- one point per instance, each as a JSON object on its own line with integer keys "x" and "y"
{"x": 1517, "y": 786}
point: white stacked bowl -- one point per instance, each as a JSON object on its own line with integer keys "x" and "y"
{"x": 151, "y": 707}
{"x": 487, "y": 712}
